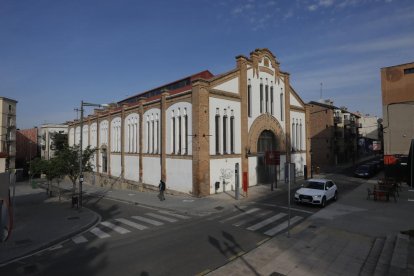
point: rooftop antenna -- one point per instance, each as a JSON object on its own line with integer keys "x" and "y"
{"x": 321, "y": 91}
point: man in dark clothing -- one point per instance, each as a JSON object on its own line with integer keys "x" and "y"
{"x": 161, "y": 187}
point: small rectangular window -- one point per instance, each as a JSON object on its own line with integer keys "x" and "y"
{"x": 267, "y": 98}
{"x": 408, "y": 71}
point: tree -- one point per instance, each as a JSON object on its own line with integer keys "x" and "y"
{"x": 59, "y": 141}
{"x": 69, "y": 158}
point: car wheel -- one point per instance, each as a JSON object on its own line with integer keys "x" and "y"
{"x": 323, "y": 202}
{"x": 335, "y": 196}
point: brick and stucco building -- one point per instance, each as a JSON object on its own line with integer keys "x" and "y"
{"x": 193, "y": 132}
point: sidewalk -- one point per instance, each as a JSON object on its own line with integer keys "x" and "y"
{"x": 354, "y": 236}
{"x": 41, "y": 222}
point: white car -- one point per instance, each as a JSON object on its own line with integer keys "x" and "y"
{"x": 317, "y": 191}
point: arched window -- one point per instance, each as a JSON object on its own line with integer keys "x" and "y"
{"x": 185, "y": 131}
{"x": 217, "y": 131}
{"x": 249, "y": 99}
{"x": 267, "y": 97}
{"x": 232, "y": 133}
{"x": 281, "y": 104}
{"x": 261, "y": 96}
{"x": 225, "y": 132}
{"x": 271, "y": 99}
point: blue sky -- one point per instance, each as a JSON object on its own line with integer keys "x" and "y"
{"x": 53, "y": 54}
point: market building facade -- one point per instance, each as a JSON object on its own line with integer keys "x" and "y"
{"x": 194, "y": 132}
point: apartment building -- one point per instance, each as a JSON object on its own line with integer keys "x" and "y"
{"x": 7, "y": 134}
{"x": 333, "y": 134}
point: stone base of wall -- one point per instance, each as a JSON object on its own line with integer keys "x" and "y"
{"x": 106, "y": 181}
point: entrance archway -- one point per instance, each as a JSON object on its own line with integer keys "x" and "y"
{"x": 267, "y": 141}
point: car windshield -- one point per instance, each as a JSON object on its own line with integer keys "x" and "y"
{"x": 315, "y": 185}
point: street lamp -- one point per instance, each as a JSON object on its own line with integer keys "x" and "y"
{"x": 80, "y": 145}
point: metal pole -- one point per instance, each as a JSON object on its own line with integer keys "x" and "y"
{"x": 290, "y": 179}
{"x": 237, "y": 181}
{"x": 80, "y": 156}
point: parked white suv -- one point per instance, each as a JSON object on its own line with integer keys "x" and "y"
{"x": 317, "y": 191}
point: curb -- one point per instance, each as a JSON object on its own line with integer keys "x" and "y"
{"x": 45, "y": 246}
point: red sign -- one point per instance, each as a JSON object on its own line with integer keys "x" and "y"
{"x": 272, "y": 157}
{"x": 245, "y": 182}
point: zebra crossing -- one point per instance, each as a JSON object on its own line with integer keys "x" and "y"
{"x": 268, "y": 222}
{"x": 122, "y": 225}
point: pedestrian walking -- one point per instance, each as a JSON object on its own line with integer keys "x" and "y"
{"x": 161, "y": 187}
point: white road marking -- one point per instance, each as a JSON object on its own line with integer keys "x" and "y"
{"x": 99, "y": 233}
{"x": 132, "y": 224}
{"x": 161, "y": 217}
{"x": 284, "y": 207}
{"x": 55, "y": 247}
{"x": 79, "y": 239}
{"x": 266, "y": 222}
{"x": 147, "y": 220}
{"x": 174, "y": 215}
{"x": 282, "y": 226}
{"x": 244, "y": 221}
{"x": 410, "y": 199}
{"x": 241, "y": 214}
{"x": 114, "y": 227}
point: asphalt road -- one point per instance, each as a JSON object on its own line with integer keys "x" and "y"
{"x": 133, "y": 240}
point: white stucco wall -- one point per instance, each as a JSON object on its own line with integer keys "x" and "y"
{"x": 300, "y": 160}
{"x": 131, "y": 167}
{"x": 224, "y": 169}
{"x": 294, "y": 101}
{"x": 116, "y": 165}
{"x": 231, "y": 86}
{"x": 179, "y": 175}
{"x": 222, "y": 104}
{"x": 151, "y": 170}
{"x": 71, "y": 137}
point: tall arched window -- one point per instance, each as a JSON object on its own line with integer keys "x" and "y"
{"x": 261, "y": 96}
{"x": 301, "y": 138}
{"x": 217, "y": 131}
{"x": 232, "y": 133}
{"x": 281, "y": 104}
{"x": 185, "y": 131}
{"x": 267, "y": 97}
{"x": 293, "y": 136}
{"x": 225, "y": 132}
{"x": 271, "y": 99}
{"x": 249, "y": 99}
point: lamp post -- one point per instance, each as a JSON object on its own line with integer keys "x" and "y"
{"x": 81, "y": 146}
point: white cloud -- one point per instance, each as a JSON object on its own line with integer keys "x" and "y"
{"x": 313, "y": 7}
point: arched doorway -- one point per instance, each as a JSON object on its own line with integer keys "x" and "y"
{"x": 267, "y": 141}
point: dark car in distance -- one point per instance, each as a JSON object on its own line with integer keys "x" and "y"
{"x": 366, "y": 170}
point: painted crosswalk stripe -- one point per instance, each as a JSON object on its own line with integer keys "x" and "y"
{"x": 99, "y": 233}
{"x": 161, "y": 217}
{"x": 245, "y": 221}
{"x": 147, "y": 220}
{"x": 174, "y": 215}
{"x": 266, "y": 222}
{"x": 241, "y": 214}
{"x": 115, "y": 227}
{"x": 132, "y": 224}
{"x": 79, "y": 239}
{"x": 282, "y": 226}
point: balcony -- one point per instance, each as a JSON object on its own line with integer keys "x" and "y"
{"x": 337, "y": 120}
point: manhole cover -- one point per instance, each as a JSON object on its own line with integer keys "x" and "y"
{"x": 72, "y": 218}
{"x": 23, "y": 242}
{"x": 219, "y": 208}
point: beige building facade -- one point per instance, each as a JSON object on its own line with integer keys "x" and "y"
{"x": 7, "y": 134}
{"x": 194, "y": 132}
{"x": 397, "y": 83}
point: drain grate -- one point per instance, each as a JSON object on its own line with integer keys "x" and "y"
{"x": 73, "y": 218}
{"x": 23, "y": 242}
